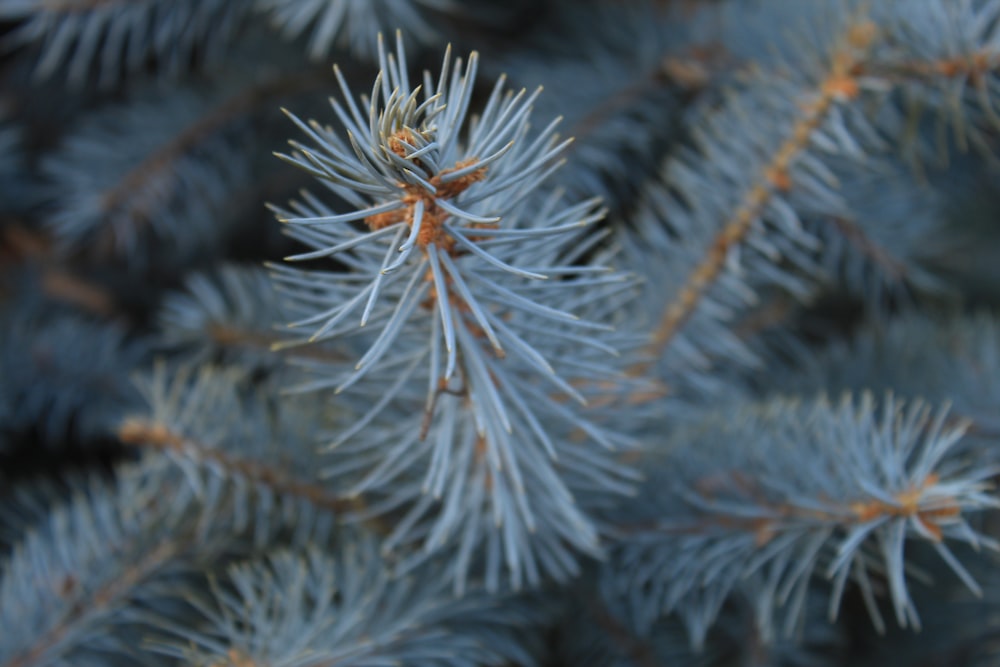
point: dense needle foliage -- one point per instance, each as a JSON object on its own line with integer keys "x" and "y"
{"x": 428, "y": 332}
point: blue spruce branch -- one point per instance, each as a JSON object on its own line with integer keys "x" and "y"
{"x": 764, "y": 500}
{"x": 117, "y": 38}
{"x": 354, "y": 23}
{"x": 463, "y": 292}
{"x": 312, "y": 609}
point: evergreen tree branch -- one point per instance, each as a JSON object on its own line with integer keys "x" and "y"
{"x": 174, "y": 184}
{"x": 120, "y": 37}
{"x": 948, "y": 358}
{"x": 232, "y": 315}
{"x": 839, "y": 85}
{"x": 479, "y": 328}
{"x": 64, "y": 375}
{"x": 943, "y": 58}
{"x": 318, "y": 610}
{"x": 621, "y": 77}
{"x": 110, "y": 568}
{"x": 355, "y": 23}
{"x": 271, "y": 454}
{"x": 158, "y": 437}
{"x": 877, "y": 477}
{"x": 84, "y": 574}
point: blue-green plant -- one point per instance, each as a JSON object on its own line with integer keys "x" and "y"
{"x": 453, "y": 408}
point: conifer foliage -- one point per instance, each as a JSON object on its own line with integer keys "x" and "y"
{"x": 573, "y": 332}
